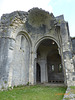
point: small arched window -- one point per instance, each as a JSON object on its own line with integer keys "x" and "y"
{"x": 60, "y": 68}
{"x": 22, "y": 43}
{"x": 53, "y": 68}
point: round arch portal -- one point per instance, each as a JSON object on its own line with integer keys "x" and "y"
{"x": 48, "y": 57}
{"x": 44, "y": 38}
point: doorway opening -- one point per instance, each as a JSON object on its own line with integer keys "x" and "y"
{"x": 55, "y": 69}
{"x": 38, "y": 73}
{"x": 50, "y": 62}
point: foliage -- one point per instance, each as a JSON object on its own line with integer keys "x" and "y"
{"x": 5, "y": 82}
{"x": 38, "y": 17}
{"x": 73, "y": 89}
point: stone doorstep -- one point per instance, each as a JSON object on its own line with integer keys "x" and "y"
{"x": 52, "y": 84}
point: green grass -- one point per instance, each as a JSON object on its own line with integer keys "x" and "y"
{"x": 37, "y": 92}
{"x": 73, "y": 89}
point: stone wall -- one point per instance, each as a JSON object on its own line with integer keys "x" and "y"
{"x": 73, "y": 47}
{"x": 20, "y": 35}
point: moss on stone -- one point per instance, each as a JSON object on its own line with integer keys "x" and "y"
{"x": 38, "y": 17}
{"x": 11, "y": 18}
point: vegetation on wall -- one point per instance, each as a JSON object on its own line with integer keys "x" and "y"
{"x": 38, "y": 17}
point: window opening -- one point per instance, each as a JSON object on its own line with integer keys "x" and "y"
{"x": 22, "y": 43}
{"x": 53, "y": 68}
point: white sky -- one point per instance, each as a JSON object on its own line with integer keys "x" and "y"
{"x": 58, "y": 7}
{"x": 8, "y": 6}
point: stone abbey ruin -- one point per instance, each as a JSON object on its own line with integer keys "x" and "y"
{"x": 35, "y": 47}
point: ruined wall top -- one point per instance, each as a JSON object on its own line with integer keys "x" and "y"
{"x": 35, "y": 21}
{"x": 8, "y": 19}
{"x": 35, "y": 16}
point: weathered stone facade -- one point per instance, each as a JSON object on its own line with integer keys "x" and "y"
{"x": 73, "y": 45}
{"x": 35, "y": 47}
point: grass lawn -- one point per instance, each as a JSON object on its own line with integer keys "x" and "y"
{"x": 36, "y": 92}
{"x": 73, "y": 89}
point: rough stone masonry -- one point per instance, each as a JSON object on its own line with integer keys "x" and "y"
{"x": 35, "y": 47}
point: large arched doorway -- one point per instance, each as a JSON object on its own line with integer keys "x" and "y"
{"x": 50, "y": 62}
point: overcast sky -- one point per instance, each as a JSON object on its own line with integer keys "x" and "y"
{"x": 57, "y": 7}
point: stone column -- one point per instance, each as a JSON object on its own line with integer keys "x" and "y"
{"x": 4, "y": 43}
{"x": 10, "y": 61}
{"x": 46, "y": 72}
{"x": 43, "y": 71}
{"x": 35, "y": 62}
{"x": 32, "y": 69}
{"x": 68, "y": 67}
